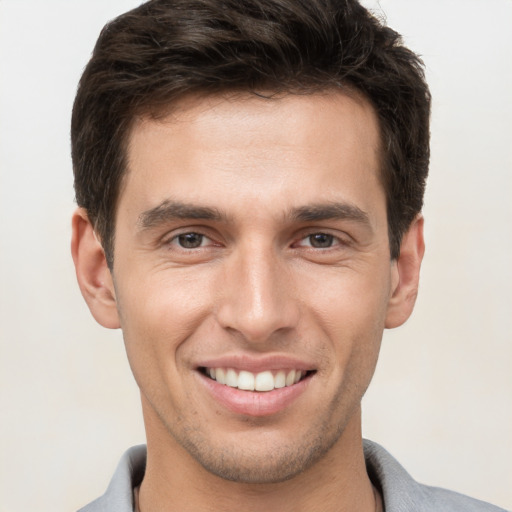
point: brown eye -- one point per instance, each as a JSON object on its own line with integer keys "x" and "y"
{"x": 190, "y": 240}
{"x": 321, "y": 240}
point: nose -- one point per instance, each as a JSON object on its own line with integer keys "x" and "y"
{"x": 257, "y": 298}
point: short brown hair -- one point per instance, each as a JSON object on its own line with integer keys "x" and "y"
{"x": 152, "y": 56}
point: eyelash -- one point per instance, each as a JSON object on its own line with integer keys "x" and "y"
{"x": 334, "y": 241}
{"x": 175, "y": 240}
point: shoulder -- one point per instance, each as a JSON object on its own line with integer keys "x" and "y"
{"x": 401, "y": 493}
{"x": 119, "y": 495}
{"x": 445, "y": 500}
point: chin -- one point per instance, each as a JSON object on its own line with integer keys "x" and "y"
{"x": 271, "y": 470}
{"x": 263, "y": 462}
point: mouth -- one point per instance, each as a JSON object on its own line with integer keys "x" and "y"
{"x": 256, "y": 387}
{"x": 263, "y": 381}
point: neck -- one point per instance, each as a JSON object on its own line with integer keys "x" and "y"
{"x": 338, "y": 482}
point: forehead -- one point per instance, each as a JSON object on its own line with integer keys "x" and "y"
{"x": 242, "y": 146}
{"x": 322, "y": 111}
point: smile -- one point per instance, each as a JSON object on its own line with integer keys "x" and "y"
{"x": 262, "y": 381}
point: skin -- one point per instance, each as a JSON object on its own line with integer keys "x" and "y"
{"x": 257, "y": 287}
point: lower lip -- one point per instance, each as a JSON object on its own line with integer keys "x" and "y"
{"x": 255, "y": 403}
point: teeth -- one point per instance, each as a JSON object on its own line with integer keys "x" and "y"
{"x": 263, "y": 381}
{"x": 280, "y": 380}
{"x": 290, "y": 378}
{"x": 231, "y": 378}
{"x": 220, "y": 375}
{"x": 246, "y": 381}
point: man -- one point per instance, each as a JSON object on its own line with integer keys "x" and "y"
{"x": 250, "y": 178}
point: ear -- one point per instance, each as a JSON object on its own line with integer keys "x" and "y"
{"x": 406, "y": 274}
{"x": 92, "y": 272}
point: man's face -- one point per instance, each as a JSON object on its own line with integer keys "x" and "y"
{"x": 251, "y": 245}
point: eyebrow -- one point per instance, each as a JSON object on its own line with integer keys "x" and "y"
{"x": 331, "y": 211}
{"x": 170, "y": 210}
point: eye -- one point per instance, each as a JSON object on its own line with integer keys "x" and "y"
{"x": 190, "y": 240}
{"x": 319, "y": 241}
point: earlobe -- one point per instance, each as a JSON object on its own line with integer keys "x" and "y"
{"x": 92, "y": 272}
{"x": 406, "y": 275}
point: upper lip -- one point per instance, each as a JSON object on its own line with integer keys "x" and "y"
{"x": 257, "y": 364}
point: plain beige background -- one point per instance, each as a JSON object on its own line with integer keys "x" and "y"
{"x": 441, "y": 400}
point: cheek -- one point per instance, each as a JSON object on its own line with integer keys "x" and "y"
{"x": 158, "y": 314}
{"x": 350, "y": 300}
{"x": 166, "y": 302}
{"x": 351, "y": 310}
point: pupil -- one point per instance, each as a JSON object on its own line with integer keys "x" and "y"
{"x": 321, "y": 240}
{"x": 190, "y": 240}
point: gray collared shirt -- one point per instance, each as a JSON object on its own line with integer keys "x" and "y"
{"x": 399, "y": 491}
